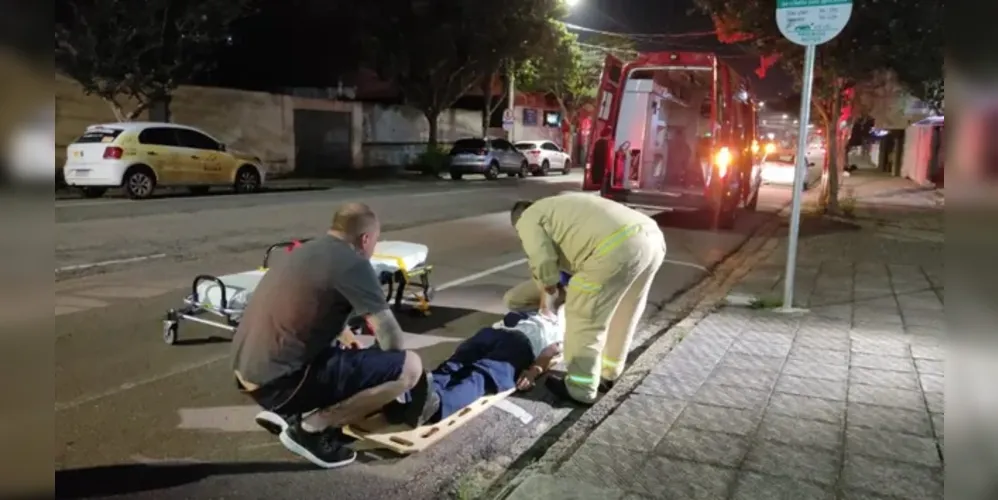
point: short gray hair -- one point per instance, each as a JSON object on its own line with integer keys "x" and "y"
{"x": 354, "y": 219}
{"x": 518, "y": 209}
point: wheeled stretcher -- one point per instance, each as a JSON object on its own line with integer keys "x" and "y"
{"x": 401, "y": 267}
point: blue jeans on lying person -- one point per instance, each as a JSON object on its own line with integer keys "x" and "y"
{"x": 487, "y": 363}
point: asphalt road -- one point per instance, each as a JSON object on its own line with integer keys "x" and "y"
{"x": 138, "y": 418}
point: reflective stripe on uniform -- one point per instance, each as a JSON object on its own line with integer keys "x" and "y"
{"x": 616, "y": 239}
{"x": 580, "y": 381}
{"x": 581, "y": 285}
{"x": 609, "y": 363}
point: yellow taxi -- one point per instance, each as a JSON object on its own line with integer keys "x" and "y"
{"x": 141, "y": 156}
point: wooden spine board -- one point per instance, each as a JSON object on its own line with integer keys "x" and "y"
{"x": 402, "y": 440}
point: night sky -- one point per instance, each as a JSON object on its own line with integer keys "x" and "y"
{"x": 673, "y": 16}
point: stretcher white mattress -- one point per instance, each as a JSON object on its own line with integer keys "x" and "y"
{"x": 388, "y": 256}
{"x": 391, "y": 256}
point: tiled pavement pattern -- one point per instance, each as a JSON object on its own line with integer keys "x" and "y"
{"x": 845, "y": 402}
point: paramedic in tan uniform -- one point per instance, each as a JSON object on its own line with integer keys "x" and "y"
{"x": 613, "y": 254}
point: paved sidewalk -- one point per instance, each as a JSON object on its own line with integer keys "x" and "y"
{"x": 845, "y": 401}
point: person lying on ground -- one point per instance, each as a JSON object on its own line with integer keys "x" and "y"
{"x": 512, "y": 353}
{"x": 284, "y": 353}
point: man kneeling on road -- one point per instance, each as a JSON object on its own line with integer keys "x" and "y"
{"x": 285, "y": 355}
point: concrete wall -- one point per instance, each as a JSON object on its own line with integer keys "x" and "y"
{"x": 253, "y": 122}
{"x": 74, "y": 111}
{"x": 263, "y": 124}
{"x": 394, "y": 136}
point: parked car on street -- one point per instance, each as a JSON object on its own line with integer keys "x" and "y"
{"x": 141, "y": 156}
{"x": 778, "y": 168}
{"x": 486, "y": 156}
{"x": 543, "y": 156}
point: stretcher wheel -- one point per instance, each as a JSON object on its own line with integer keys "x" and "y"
{"x": 170, "y": 329}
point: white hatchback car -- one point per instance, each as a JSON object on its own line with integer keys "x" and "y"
{"x": 778, "y": 168}
{"x": 544, "y": 156}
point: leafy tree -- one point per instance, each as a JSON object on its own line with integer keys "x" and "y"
{"x": 506, "y": 34}
{"x": 569, "y": 71}
{"x": 436, "y": 51}
{"x": 423, "y": 47}
{"x": 119, "y": 49}
{"x": 870, "y": 43}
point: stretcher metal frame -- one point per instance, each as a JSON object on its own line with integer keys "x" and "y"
{"x": 397, "y": 283}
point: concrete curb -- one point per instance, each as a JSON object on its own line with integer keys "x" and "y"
{"x": 670, "y": 325}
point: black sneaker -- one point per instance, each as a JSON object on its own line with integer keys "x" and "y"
{"x": 325, "y": 449}
{"x": 606, "y": 385}
{"x": 424, "y": 402}
{"x": 556, "y": 385}
{"x": 271, "y": 422}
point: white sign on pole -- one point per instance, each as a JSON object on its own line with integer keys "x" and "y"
{"x": 507, "y": 119}
{"x": 809, "y": 23}
{"x": 812, "y": 22}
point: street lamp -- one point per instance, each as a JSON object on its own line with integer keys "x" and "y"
{"x": 786, "y": 117}
{"x": 762, "y": 104}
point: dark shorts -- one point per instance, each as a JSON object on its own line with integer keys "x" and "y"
{"x": 335, "y": 375}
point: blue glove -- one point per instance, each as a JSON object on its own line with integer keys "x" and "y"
{"x": 565, "y": 278}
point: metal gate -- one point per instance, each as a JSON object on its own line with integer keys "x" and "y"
{"x": 322, "y": 143}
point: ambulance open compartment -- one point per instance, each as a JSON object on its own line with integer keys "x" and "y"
{"x": 673, "y": 132}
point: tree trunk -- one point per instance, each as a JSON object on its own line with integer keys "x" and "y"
{"x": 119, "y": 112}
{"x": 487, "y": 107}
{"x": 431, "y": 141}
{"x": 126, "y": 116}
{"x": 570, "y": 146}
{"x": 834, "y": 154}
{"x": 137, "y": 111}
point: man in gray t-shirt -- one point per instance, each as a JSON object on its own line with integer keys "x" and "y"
{"x": 285, "y": 353}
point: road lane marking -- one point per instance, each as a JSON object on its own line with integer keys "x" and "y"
{"x": 105, "y": 263}
{"x": 686, "y": 264}
{"x": 66, "y": 204}
{"x": 138, "y": 383}
{"x": 516, "y": 410}
{"x": 220, "y": 418}
{"x": 481, "y": 274}
{"x": 411, "y": 340}
{"x": 509, "y": 265}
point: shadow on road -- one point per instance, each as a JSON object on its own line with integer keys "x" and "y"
{"x": 439, "y": 317}
{"x": 95, "y": 482}
{"x": 745, "y": 224}
{"x": 212, "y": 339}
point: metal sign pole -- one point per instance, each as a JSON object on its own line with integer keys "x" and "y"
{"x": 800, "y": 173}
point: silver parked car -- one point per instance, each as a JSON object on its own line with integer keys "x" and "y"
{"x": 487, "y": 156}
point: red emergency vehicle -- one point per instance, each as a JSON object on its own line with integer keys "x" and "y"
{"x": 675, "y": 131}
